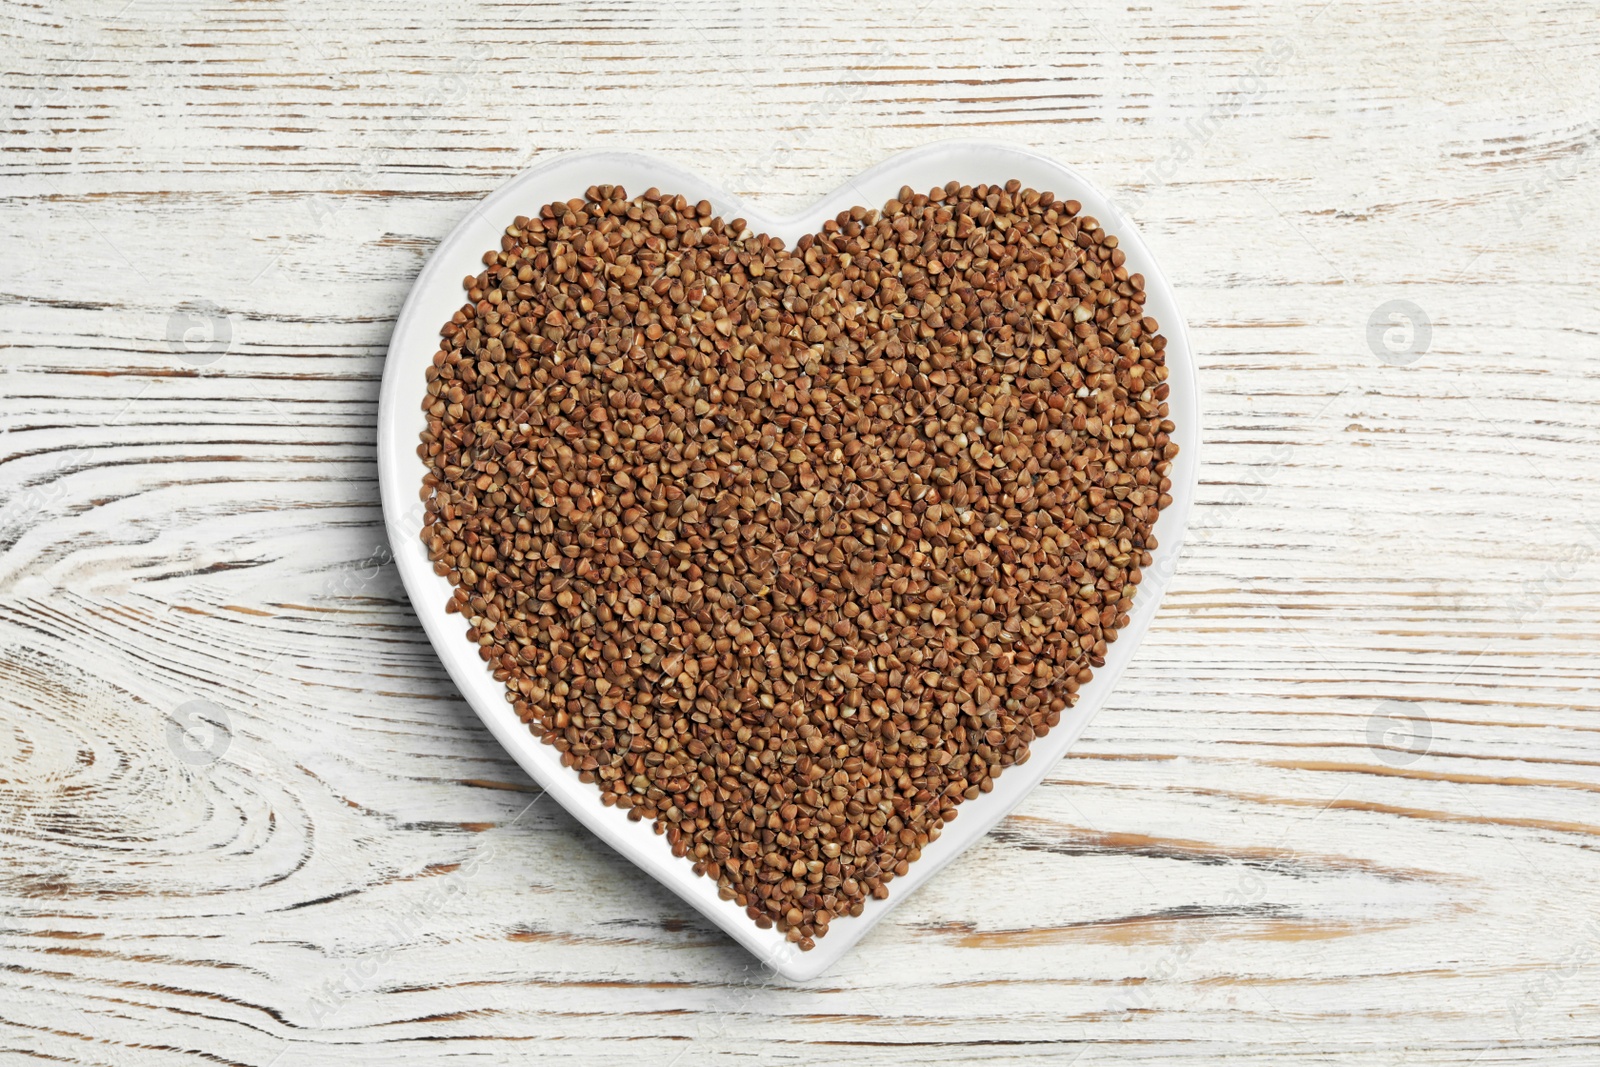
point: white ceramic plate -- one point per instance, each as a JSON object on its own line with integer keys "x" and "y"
{"x": 437, "y": 295}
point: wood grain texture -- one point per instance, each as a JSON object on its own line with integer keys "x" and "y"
{"x": 1344, "y": 808}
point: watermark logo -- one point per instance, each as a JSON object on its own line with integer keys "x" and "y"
{"x": 1019, "y": 340}
{"x": 199, "y": 332}
{"x": 1399, "y": 332}
{"x": 1553, "y": 981}
{"x": 1398, "y": 734}
{"x": 353, "y": 581}
{"x": 1199, "y": 131}
{"x": 199, "y": 733}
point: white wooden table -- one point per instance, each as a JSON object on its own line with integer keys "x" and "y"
{"x": 1343, "y": 809}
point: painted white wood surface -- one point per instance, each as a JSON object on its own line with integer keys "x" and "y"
{"x": 210, "y": 213}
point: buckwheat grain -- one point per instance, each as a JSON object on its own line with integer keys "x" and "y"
{"x": 792, "y": 552}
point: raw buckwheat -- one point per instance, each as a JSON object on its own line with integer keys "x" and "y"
{"x": 791, "y": 552}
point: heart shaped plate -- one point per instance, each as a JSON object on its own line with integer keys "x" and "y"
{"x": 436, "y": 295}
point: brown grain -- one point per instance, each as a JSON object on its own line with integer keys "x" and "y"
{"x": 792, "y": 552}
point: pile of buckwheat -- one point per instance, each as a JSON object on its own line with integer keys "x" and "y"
{"x": 791, "y": 552}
